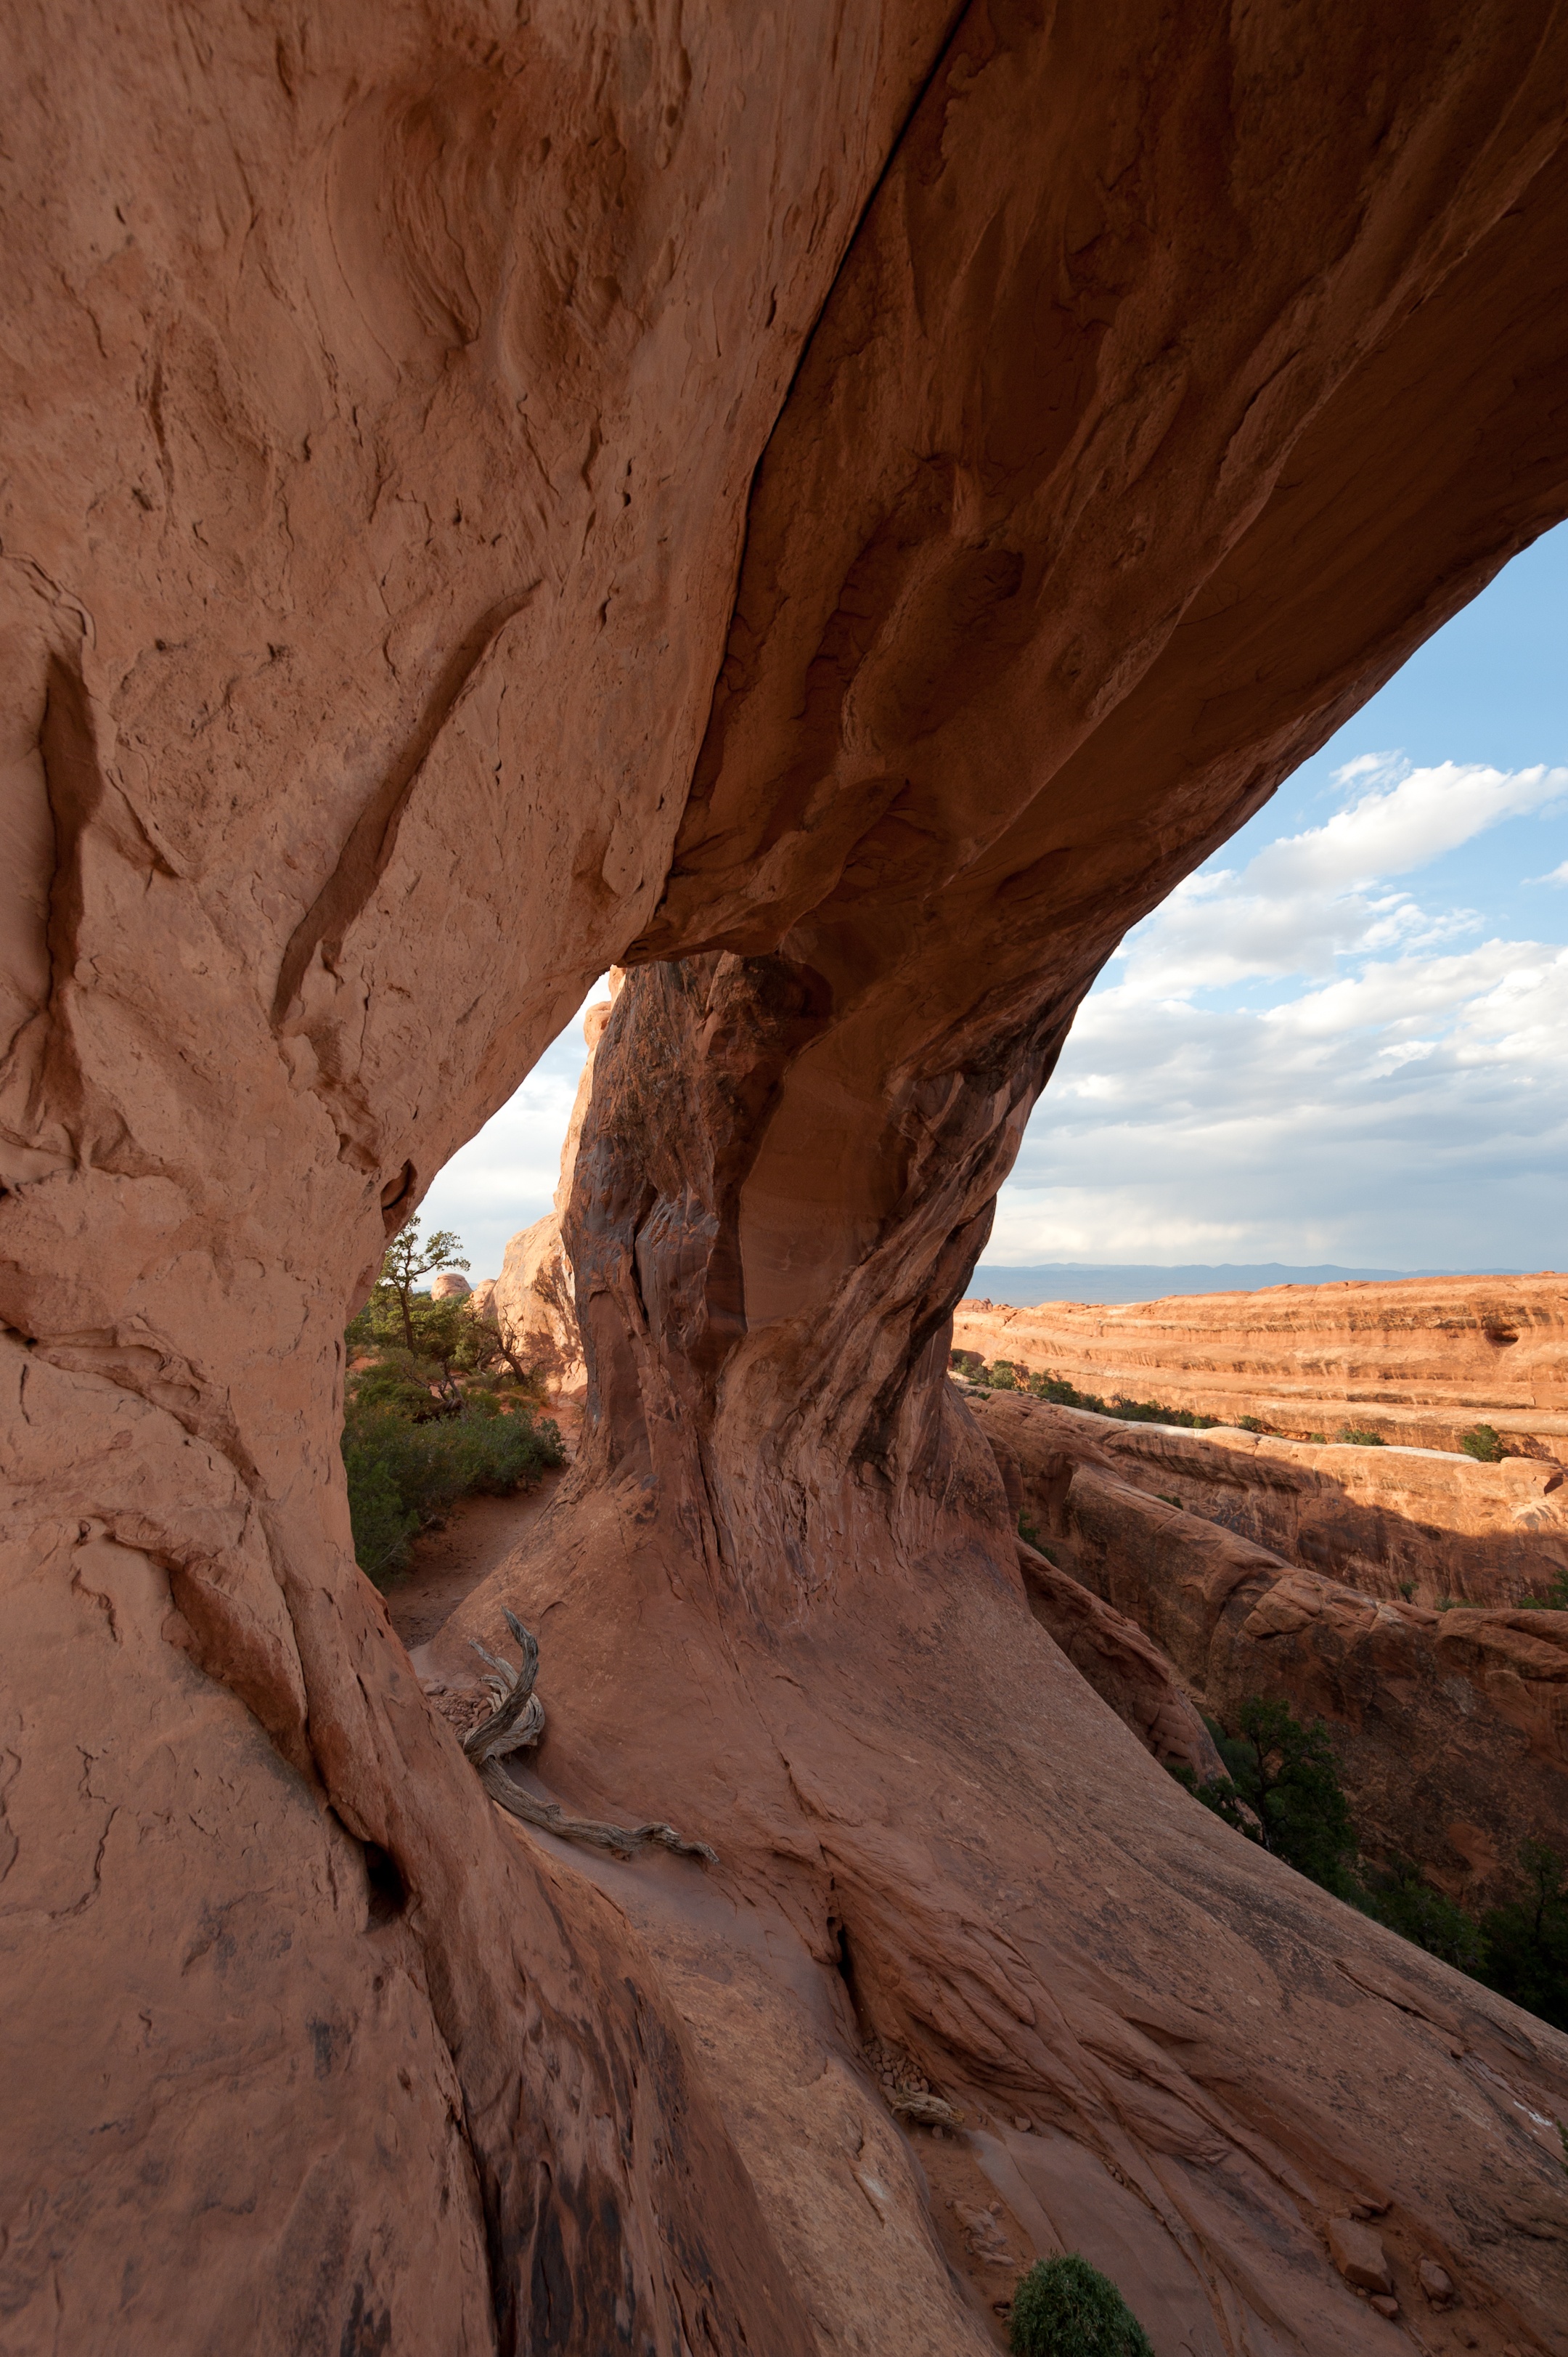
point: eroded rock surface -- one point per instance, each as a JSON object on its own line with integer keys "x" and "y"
{"x": 1422, "y": 1360}
{"x": 1424, "y": 1524}
{"x": 843, "y": 510}
{"x": 1451, "y": 1728}
{"x": 533, "y": 1300}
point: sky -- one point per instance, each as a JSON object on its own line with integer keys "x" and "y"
{"x": 1341, "y": 1040}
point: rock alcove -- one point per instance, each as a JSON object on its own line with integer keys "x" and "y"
{"x": 837, "y": 512}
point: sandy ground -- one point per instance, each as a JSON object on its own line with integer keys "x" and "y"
{"x": 447, "y": 1563}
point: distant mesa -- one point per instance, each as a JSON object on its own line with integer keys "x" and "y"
{"x": 1069, "y": 1280}
{"x": 1419, "y": 1360}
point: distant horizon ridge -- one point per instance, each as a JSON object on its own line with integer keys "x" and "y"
{"x": 1225, "y": 1268}
{"x": 1017, "y": 1285}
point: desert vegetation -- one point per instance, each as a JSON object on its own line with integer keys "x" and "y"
{"x": 1006, "y": 1375}
{"x": 1282, "y": 1788}
{"x": 1483, "y": 1442}
{"x": 1064, "y": 2308}
{"x": 436, "y": 1408}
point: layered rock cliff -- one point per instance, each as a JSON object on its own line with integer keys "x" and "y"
{"x": 840, "y": 510}
{"x": 1451, "y": 1728}
{"x": 1420, "y": 1360}
{"x": 1419, "y": 1523}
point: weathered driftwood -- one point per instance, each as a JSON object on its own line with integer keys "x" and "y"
{"x": 925, "y": 2110}
{"x": 516, "y": 1724}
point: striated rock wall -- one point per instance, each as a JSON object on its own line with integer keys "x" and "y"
{"x": 1383, "y": 1520}
{"x": 1420, "y": 1360}
{"x": 841, "y": 509}
{"x": 1451, "y": 1728}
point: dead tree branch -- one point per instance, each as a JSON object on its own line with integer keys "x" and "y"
{"x": 516, "y": 1724}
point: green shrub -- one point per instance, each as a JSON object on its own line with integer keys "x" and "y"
{"x": 1061, "y": 1393}
{"x": 1011, "y": 1375}
{"x": 382, "y": 1525}
{"x": 1424, "y": 1917}
{"x": 1527, "y": 1940}
{"x": 1484, "y": 1442}
{"x": 1554, "y": 1601}
{"x": 394, "y": 1382}
{"x": 404, "y": 1475}
{"x": 1319, "y": 1438}
{"x": 1282, "y": 1788}
{"x": 1357, "y": 1436}
{"x": 1156, "y": 1412}
{"x": 1064, "y": 2308}
{"x": 1251, "y": 1423}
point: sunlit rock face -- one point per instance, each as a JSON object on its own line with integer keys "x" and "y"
{"x": 1418, "y": 1523}
{"x": 1419, "y": 1360}
{"x": 841, "y": 512}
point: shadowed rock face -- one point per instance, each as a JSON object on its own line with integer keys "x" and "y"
{"x": 1451, "y": 1728}
{"x": 1392, "y": 1521}
{"x": 1131, "y": 392}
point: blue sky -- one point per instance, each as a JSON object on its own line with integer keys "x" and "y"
{"x": 1341, "y": 1040}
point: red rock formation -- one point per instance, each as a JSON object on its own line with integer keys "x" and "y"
{"x": 532, "y": 1304}
{"x": 1451, "y": 1728}
{"x": 389, "y": 393}
{"x": 1122, "y": 1666}
{"x": 534, "y": 1299}
{"x": 1387, "y": 1520}
{"x": 383, "y": 503}
{"x": 1419, "y": 1360}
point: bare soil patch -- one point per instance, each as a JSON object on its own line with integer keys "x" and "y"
{"x": 450, "y": 1561}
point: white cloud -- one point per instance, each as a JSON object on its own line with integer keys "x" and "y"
{"x": 1394, "y": 1092}
{"x": 1406, "y": 824}
{"x": 504, "y": 1178}
{"x": 1310, "y": 899}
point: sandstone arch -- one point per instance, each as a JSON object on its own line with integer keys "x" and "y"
{"x": 1126, "y": 392}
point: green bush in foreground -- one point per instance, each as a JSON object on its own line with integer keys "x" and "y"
{"x": 404, "y": 1475}
{"x": 1064, "y": 2308}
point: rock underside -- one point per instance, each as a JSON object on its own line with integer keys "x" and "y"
{"x": 836, "y": 512}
